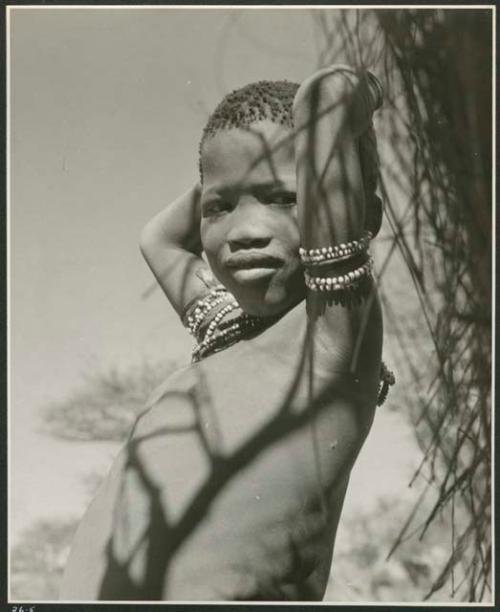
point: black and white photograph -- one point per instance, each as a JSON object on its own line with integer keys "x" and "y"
{"x": 250, "y": 304}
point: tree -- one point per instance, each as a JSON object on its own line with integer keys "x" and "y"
{"x": 106, "y": 404}
{"x": 436, "y": 182}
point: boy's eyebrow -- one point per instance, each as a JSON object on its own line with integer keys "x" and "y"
{"x": 275, "y": 185}
{"x": 229, "y": 190}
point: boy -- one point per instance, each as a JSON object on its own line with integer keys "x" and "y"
{"x": 232, "y": 482}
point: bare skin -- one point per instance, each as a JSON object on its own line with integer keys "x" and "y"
{"x": 232, "y": 482}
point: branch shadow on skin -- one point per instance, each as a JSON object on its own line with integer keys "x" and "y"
{"x": 320, "y": 227}
{"x": 163, "y": 537}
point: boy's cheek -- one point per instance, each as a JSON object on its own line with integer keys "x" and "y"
{"x": 289, "y": 235}
{"x": 211, "y": 249}
{"x": 208, "y": 239}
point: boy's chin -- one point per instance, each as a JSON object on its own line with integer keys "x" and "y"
{"x": 270, "y": 306}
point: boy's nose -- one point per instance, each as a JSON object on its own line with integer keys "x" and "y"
{"x": 250, "y": 227}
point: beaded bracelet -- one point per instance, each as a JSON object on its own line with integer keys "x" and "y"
{"x": 214, "y": 323}
{"x": 332, "y": 254}
{"x": 338, "y": 283}
{"x": 202, "y": 308}
{"x": 197, "y": 301}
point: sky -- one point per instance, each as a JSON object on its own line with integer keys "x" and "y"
{"x": 106, "y": 111}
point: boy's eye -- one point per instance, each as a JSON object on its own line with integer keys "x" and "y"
{"x": 216, "y": 207}
{"x": 281, "y": 198}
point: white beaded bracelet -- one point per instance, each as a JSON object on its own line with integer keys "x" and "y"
{"x": 204, "y": 306}
{"x": 337, "y": 283}
{"x": 332, "y": 254}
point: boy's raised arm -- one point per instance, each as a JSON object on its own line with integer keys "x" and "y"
{"x": 170, "y": 243}
{"x": 332, "y": 110}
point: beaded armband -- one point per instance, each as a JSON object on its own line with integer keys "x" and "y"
{"x": 350, "y": 286}
{"x": 206, "y": 319}
{"x": 203, "y": 308}
{"x": 387, "y": 379}
{"x": 334, "y": 254}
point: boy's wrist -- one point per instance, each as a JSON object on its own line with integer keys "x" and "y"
{"x": 360, "y": 92}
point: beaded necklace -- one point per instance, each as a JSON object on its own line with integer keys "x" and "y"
{"x": 206, "y": 320}
{"x": 225, "y": 334}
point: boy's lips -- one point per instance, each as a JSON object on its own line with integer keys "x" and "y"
{"x": 250, "y": 260}
{"x": 252, "y": 266}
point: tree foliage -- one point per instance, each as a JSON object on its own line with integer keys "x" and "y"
{"x": 105, "y": 404}
{"x": 436, "y": 182}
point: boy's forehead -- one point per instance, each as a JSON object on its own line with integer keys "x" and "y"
{"x": 266, "y": 129}
{"x": 263, "y": 145}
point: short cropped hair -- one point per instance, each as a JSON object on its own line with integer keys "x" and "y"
{"x": 273, "y": 100}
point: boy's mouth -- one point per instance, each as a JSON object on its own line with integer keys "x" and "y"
{"x": 253, "y": 260}
{"x": 252, "y": 266}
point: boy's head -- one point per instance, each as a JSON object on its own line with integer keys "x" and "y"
{"x": 249, "y": 226}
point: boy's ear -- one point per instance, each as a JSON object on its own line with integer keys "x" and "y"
{"x": 374, "y": 215}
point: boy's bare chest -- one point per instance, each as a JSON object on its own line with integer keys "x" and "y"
{"x": 259, "y": 404}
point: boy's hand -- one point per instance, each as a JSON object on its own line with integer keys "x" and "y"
{"x": 359, "y": 94}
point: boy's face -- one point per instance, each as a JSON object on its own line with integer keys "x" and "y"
{"x": 249, "y": 224}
